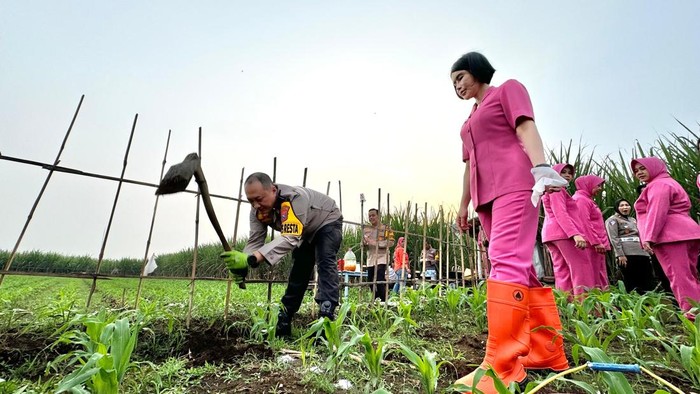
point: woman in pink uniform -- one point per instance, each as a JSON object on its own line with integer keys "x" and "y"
{"x": 564, "y": 239}
{"x": 666, "y": 229}
{"x": 502, "y": 150}
{"x": 588, "y": 186}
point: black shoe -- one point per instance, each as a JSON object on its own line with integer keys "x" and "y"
{"x": 284, "y": 325}
{"x": 327, "y": 310}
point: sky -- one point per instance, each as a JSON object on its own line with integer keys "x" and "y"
{"x": 354, "y": 91}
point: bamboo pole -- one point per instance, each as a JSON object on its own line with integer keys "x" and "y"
{"x": 328, "y": 188}
{"x": 387, "y": 231}
{"x": 274, "y": 180}
{"x": 111, "y": 215}
{"x": 235, "y": 237}
{"x": 150, "y": 230}
{"x": 8, "y": 264}
{"x": 461, "y": 251}
{"x": 362, "y": 244}
{"x": 306, "y": 169}
{"x": 340, "y": 196}
{"x": 440, "y": 236}
{"x": 406, "y": 269}
{"x": 195, "y": 254}
{"x": 425, "y": 238}
{"x": 448, "y": 266}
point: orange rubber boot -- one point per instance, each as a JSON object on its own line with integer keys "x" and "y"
{"x": 509, "y": 335}
{"x": 546, "y": 342}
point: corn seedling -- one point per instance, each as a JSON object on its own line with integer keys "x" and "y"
{"x": 427, "y": 366}
{"x": 107, "y": 345}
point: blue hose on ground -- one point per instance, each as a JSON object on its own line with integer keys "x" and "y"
{"x": 608, "y": 367}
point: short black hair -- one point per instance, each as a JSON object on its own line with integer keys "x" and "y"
{"x": 373, "y": 209}
{"x": 640, "y": 187}
{"x": 477, "y": 65}
{"x": 261, "y": 177}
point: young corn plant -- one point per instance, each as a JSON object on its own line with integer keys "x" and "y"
{"x": 690, "y": 354}
{"x": 427, "y": 366}
{"x": 375, "y": 351}
{"x": 264, "y": 323}
{"x": 332, "y": 334}
{"x": 476, "y": 302}
{"x": 107, "y": 344}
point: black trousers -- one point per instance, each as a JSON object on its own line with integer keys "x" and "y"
{"x": 323, "y": 251}
{"x": 380, "y": 289}
{"x": 638, "y": 275}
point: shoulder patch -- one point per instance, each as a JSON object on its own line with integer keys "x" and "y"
{"x": 291, "y": 225}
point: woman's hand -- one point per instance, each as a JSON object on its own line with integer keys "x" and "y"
{"x": 580, "y": 241}
{"x": 648, "y": 247}
{"x": 599, "y": 248}
{"x": 463, "y": 217}
{"x": 622, "y": 261}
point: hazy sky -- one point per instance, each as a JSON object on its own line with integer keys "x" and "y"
{"x": 366, "y": 82}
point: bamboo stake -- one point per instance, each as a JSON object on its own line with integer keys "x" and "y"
{"x": 447, "y": 251}
{"x": 305, "y": 171}
{"x": 340, "y": 196}
{"x": 328, "y": 188}
{"x": 386, "y": 251}
{"x": 425, "y": 238}
{"x": 442, "y": 224}
{"x": 8, "y": 264}
{"x": 235, "y": 238}
{"x": 111, "y": 215}
{"x": 274, "y": 180}
{"x": 196, "y": 244}
{"x": 362, "y": 244}
{"x": 150, "y": 231}
{"x": 406, "y": 269}
{"x": 461, "y": 251}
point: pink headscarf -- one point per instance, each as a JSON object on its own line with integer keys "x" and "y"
{"x": 559, "y": 167}
{"x": 400, "y": 241}
{"x": 655, "y": 166}
{"x": 586, "y": 183}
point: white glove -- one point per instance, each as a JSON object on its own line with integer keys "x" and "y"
{"x": 545, "y": 176}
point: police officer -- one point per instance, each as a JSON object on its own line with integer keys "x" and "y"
{"x": 311, "y": 227}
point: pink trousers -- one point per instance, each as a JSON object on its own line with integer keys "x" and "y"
{"x": 572, "y": 266}
{"x": 678, "y": 260}
{"x": 600, "y": 268}
{"x": 510, "y": 223}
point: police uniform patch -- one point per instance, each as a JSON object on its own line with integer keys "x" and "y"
{"x": 291, "y": 225}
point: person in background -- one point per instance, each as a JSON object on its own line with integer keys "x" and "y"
{"x": 504, "y": 176}
{"x": 311, "y": 228}
{"x": 377, "y": 238}
{"x": 564, "y": 238}
{"x": 427, "y": 257}
{"x": 634, "y": 262}
{"x": 588, "y": 186}
{"x": 401, "y": 265}
{"x": 667, "y": 230}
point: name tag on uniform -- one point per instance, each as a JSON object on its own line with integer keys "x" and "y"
{"x": 291, "y": 225}
{"x": 629, "y": 239}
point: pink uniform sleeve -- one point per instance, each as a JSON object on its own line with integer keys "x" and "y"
{"x": 561, "y": 213}
{"x": 516, "y": 102}
{"x": 659, "y": 201}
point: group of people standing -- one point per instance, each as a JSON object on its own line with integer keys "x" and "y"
{"x": 578, "y": 239}
{"x": 504, "y": 177}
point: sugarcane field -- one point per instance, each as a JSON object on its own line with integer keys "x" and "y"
{"x": 364, "y": 197}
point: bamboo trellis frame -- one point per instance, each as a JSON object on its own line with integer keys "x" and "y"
{"x": 448, "y": 241}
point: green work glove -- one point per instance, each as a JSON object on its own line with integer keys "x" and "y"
{"x": 237, "y": 263}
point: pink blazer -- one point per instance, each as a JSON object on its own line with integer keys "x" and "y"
{"x": 591, "y": 215}
{"x": 561, "y": 214}
{"x": 663, "y": 207}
